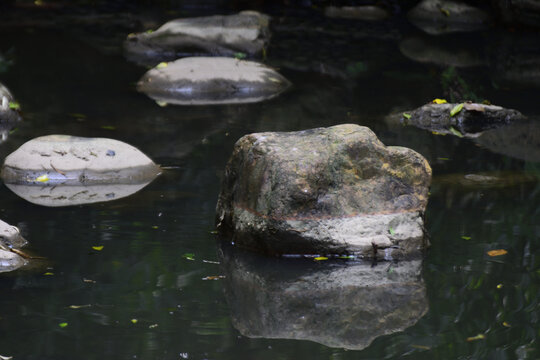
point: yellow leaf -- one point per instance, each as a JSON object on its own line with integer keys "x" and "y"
{"x": 477, "y": 337}
{"x": 162, "y": 65}
{"x": 497, "y": 252}
{"x": 43, "y": 178}
{"x": 134, "y": 321}
{"x": 505, "y": 324}
{"x": 439, "y": 101}
{"x": 500, "y": 286}
{"x": 437, "y": 133}
{"x": 320, "y": 258}
{"x": 79, "y": 306}
{"x": 48, "y": 274}
{"x": 98, "y": 248}
{"x": 456, "y": 109}
{"x": 63, "y": 325}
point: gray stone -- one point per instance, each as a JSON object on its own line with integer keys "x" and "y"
{"x": 10, "y": 237}
{"x": 324, "y": 191}
{"x": 246, "y": 32}
{"x": 9, "y": 114}
{"x": 68, "y": 160}
{"x": 469, "y": 122}
{"x": 446, "y": 16}
{"x": 365, "y": 12}
{"x": 338, "y": 304}
{"x": 212, "y": 80}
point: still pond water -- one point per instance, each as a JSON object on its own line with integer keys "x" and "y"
{"x": 164, "y": 287}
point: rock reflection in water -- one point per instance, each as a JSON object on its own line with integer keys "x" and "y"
{"x": 338, "y": 304}
{"x": 69, "y": 195}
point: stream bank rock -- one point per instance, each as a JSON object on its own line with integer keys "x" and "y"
{"x": 447, "y": 16}
{"x": 211, "y": 81}
{"x": 244, "y": 34}
{"x": 10, "y": 237}
{"x": 53, "y": 163}
{"x": 324, "y": 191}
{"x": 338, "y": 304}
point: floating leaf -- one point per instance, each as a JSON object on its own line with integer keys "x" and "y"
{"x": 497, "y": 252}
{"x": 134, "y": 321}
{"x": 438, "y": 133}
{"x": 477, "y": 337}
{"x": 439, "y": 101}
{"x": 407, "y": 116}
{"x": 320, "y": 258}
{"x": 446, "y": 12}
{"x": 162, "y": 103}
{"x": 108, "y": 127}
{"x": 39, "y": 3}
{"x": 42, "y": 178}
{"x": 162, "y": 65}
{"x": 443, "y": 158}
{"x": 77, "y": 115}
{"x": 63, "y": 325}
{"x": 499, "y": 286}
{"x": 392, "y": 231}
{"x": 505, "y": 324}
{"x": 213, "y": 232}
{"x": 14, "y": 105}
{"x": 89, "y": 281}
{"x": 466, "y": 237}
{"x": 214, "y": 277}
{"x": 240, "y": 55}
{"x": 149, "y": 31}
{"x": 456, "y": 109}
{"x": 48, "y": 274}
{"x": 153, "y": 326}
{"x": 79, "y": 306}
{"x": 155, "y": 227}
{"x": 98, "y": 248}
{"x": 189, "y": 256}
{"x": 456, "y": 132}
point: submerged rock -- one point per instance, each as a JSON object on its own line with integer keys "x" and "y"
{"x": 9, "y": 112}
{"x": 472, "y": 119}
{"x": 246, "y": 33}
{"x": 446, "y": 16}
{"x": 10, "y": 238}
{"x": 324, "y": 190}
{"x": 365, "y": 12}
{"x": 343, "y": 305}
{"x": 211, "y": 80}
{"x": 52, "y": 163}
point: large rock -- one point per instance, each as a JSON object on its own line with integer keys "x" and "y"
{"x": 50, "y": 163}
{"x": 10, "y": 237}
{"x": 212, "y": 80}
{"x": 325, "y": 190}
{"x": 446, "y": 16}
{"x": 246, "y": 32}
{"x": 344, "y": 305}
{"x": 472, "y": 119}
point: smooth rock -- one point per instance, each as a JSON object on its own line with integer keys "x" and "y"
{"x": 212, "y": 80}
{"x": 9, "y": 112}
{"x": 469, "y": 122}
{"x": 246, "y": 32}
{"x": 10, "y": 237}
{"x": 342, "y": 305}
{"x": 447, "y": 16}
{"x": 324, "y": 191}
{"x": 68, "y": 160}
{"x": 365, "y": 12}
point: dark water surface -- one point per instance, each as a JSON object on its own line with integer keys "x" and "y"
{"x": 142, "y": 297}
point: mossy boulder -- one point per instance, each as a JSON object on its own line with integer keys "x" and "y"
{"x": 324, "y": 190}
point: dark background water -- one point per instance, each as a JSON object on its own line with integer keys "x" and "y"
{"x": 67, "y": 70}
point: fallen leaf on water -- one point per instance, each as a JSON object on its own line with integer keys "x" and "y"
{"x": 42, "y": 178}
{"x": 497, "y": 252}
{"x": 108, "y": 127}
{"x": 320, "y": 258}
{"x": 98, "y": 248}
{"x": 438, "y": 133}
{"x": 466, "y": 237}
{"x": 14, "y": 105}
{"x": 214, "y": 277}
{"x": 134, "y": 321}
{"x": 162, "y": 65}
{"x": 89, "y": 281}
{"x": 153, "y": 326}
{"x": 189, "y": 256}
{"x": 439, "y": 101}
{"x": 63, "y": 325}
{"x": 505, "y": 324}
{"x": 443, "y": 158}
{"x": 407, "y": 115}
{"x": 79, "y": 306}
{"x": 456, "y": 132}
{"x": 456, "y": 109}
{"x": 477, "y": 337}
{"x": 421, "y": 347}
{"x": 48, "y": 274}
{"x": 499, "y": 286}
{"x": 446, "y": 12}
{"x": 162, "y": 103}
